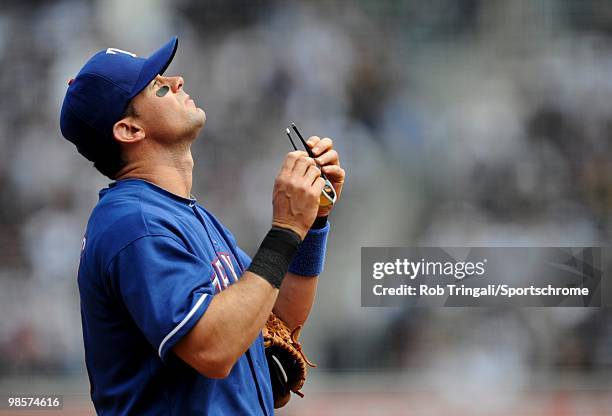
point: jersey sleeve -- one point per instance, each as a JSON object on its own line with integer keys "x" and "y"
{"x": 245, "y": 259}
{"x": 165, "y": 288}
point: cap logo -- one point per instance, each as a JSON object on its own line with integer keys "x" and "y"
{"x": 114, "y": 51}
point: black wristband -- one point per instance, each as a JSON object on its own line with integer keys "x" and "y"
{"x": 319, "y": 223}
{"x": 275, "y": 254}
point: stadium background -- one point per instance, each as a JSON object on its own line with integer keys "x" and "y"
{"x": 459, "y": 123}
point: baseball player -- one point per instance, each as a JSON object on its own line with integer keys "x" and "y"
{"x": 172, "y": 309}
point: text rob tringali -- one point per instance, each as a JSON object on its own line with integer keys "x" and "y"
{"x": 475, "y": 292}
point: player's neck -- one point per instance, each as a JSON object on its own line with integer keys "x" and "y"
{"x": 173, "y": 173}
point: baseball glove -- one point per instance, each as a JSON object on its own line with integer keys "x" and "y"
{"x": 286, "y": 360}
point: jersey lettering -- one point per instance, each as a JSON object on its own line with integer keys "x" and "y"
{"x": 230, "y": 266}
{"x": 221, "y": 272}
{"x": 215, "y": 281}
{"x": 222, "y": 264}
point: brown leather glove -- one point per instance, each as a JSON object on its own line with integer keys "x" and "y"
{"x": 286, "y": 361}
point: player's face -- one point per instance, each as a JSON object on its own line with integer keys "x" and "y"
{"x": 166, "y": 111}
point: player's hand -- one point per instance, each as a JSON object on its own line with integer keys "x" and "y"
{"x": 328, "y": 159}
{"x": 297, "y": 190}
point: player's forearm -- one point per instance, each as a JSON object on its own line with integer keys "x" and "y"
{"x": 299, "y": 287}
{"x": 236, "y": 316}
{"x": 231, "y": 323}
{"x": 295, "y": 299}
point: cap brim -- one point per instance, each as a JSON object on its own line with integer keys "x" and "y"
{"x": 155, "y": 65}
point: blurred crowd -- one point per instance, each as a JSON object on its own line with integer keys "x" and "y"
{"x": 459, "y": 123}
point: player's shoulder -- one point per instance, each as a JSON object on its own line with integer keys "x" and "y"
{"x": 126, "y": 212}
{"x": 219, "y": 226}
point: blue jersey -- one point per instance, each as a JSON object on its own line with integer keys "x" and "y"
{"x": 150, "y": 265}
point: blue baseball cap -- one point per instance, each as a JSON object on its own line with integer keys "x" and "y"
{"x": 100, "y": 93}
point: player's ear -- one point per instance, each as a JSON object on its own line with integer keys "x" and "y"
{"x": 128, "y": 130}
